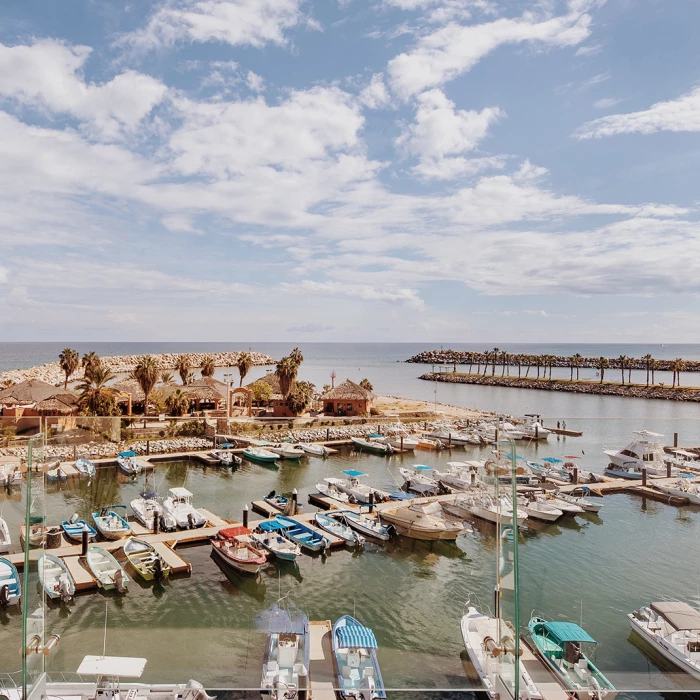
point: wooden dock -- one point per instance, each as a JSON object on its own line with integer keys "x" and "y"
{"x": 543, "y": 679}
{"x": 564, "y": 431}
{"x": 266, "y": 509}
{"x": 322, "y": 676}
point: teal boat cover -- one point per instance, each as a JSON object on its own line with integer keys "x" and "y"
{"x": 562, "y": 632}
{"x": 353, "y": 472}
{"x": 271, "y": 525}
{"x": 552, "y": 460}
{"x": 356, "y": 637}
{"x": 130, "y": 453}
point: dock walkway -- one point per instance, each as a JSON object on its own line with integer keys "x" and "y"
{"x": 321, "y": 662}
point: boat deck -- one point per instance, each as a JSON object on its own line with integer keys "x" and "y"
{"x": 540, "y": 674}
{"x": 322, "y": 662}
{"x": 307, "y": 519}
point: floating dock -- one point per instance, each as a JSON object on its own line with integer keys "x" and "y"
{"x": 322, "y": 675}
{"x": 540, "y": 674}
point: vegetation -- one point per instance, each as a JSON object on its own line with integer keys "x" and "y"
{"x": 262, "y": 392}
{"x": 69, "y": 360}
{"x": 677, "y": 368}
{"x": 182, "y": 367}
{"x": 146, "y": 374}
{"x": 167, "y": 378}
{"x": 8, "y": 432}
{"x": 602, "y": 364}
{"x": 208, "y": 366}
{"x": 177, "y": 403}
{"x": 366, "y": 384}
{"x": 244, "y": 363}
{"x": 91, "y": 362}
{"x": 96, "y": 398}
{"x": 300, "y": 398}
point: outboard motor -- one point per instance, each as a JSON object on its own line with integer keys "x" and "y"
{"x": 158, "y": 569}
{"x": 163, "y": 524}
{"x": 367, "y": 689}
{"x": 119, "y": 581}
{"x": 4, "y": 596}
{"x": 271, "y": 494}
{"x": 64, "y": 589}
{"x": 192, "y": 521}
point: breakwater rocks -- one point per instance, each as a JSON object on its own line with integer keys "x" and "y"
{"x": 51, "y": 372}
{"x": 629, "y": 390}
{"x": 463, "y": 357}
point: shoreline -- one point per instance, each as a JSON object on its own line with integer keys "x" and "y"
{"x": 632, "y": 391}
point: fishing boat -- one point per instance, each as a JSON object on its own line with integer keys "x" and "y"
{"x": 302, "y": 534}
{"x": 5, "y": 539}
{"x": 225, "y": 456}
{"x": 426, "y": 443}
{"x": 147, "y": 562}
{"x": 55, "y": 578}
{"x": 107, "y": 571}
{"x": 147, "y": 509}
{"x": 380, "y": 448}
{"x": 270, "y": 536}
{"x": 490, "y": 643}
{"x": 532, "y": 428}
{"x": 450, "y": 437}
{"x": 37, "y": 533}
{"x": 339, "y": 529}
{"x": 540, "y": 509}
{"x": 74, "y": 529}
{"x": 356, "y": 490}
{"x": 578, "y": 497}
{"x": 672, "y": 629}
{"x": 281, "y": 503}
{"x": 85, "y": 467}
{"x": 234, "y": 547}
{"x": 329, "y": 488}
{"x": 260, "y": 454}
{"x": 559, "y": 645}
{"x": 55, "y": 475}
{"x": 10, "y": 587}
{"x": 646, "y": 451}
{"x": 179, "y": 506}
{"x": 487, "y": 507}
{"x": 285, "y": 668}
{"x": 459, "y": 475}
{"x": 314, "y": 448}
{"x": 285, "y": 451}
{"x": 683, "y": 488}
{"x": 355, "y": 651}
{"x": 422, "y": 521}
{"x": 369, "y": 527}
{"x": 128, "y": 464}
{"x": 110, "y": 524}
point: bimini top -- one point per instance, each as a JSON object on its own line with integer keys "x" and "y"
{"x": 231, "y": 532}
{"x": 562, "y": 632}
{"x": 226, "y": 444}
{"x": 121, "y": 666}
{"x": 271, "y": 525}
{"x": 647, "y": 435}
{"x": 179, "y": 492}
{"x": 400, "y": 496}
{"x": 552, "y": 460}
{"x": 130, "y": 453}
{"x": 353, "y": 472}
{"x": 422, "y": 467}
{"x": 355, "y": 637}
{"x": 148, "y": 495}
{"x": 285, "y": 621}
{"x": 681, "y": 615}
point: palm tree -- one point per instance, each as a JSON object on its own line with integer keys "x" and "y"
{"x": 90, "y": 363}
{"x": 208, "y": 366}
{"x": 296, "y": 357}
{"x": 487, "y": 355}
{"x": 494, "y": 358}
{"x": 602, "y": 364}
{"x": 538, "y": 364}
{"x": 177, "y": 402}
{"x": 647, "y": 360}
{"x": 630, "y": 362}
{"x": 182, "y": 367}
{"x": 146, "y": 374}
{"x": 69, "y": 360}
{"x": 95, "y": 396}
{"x": 577, "y": 362}
{"x": 622, "y": 359}
{"x": 286, "y": 372}
{"x": 244, "y": 363}
{"x": 519, "y": 360}
{"x": 550, "y": 360}
{"x": 571, "y": 367}
{"x": 653, "y": 365}
{"x": 366, "y": 384}
{"x": 470, "y": 360}
{"x": 677, "y": 367}
{"x": 167, "y": 379}
{"x": 528, "y": 360}
{"x": 505, "y": 359}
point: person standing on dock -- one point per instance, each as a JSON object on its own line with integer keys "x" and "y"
{"x": 558, "y": 425}
{"x": 563, "y": 425}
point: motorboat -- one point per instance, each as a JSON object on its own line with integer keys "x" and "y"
{"x": 146, "y": 560}
{"x": 490, "y": 643}
{"x": 540, "y": 509}
{"x": 578, "y": 497}
{"x": 110, "y": 524}
{"x": 673, "y": 629}
{"x": 422, "y": 521}
{"x": 504, "y": 473}
{"x": 270, "y": 536}
{"x": 426, "y": 443}
{"x": 55, "y": 578}
{"x": 37, "y": 534}
{"x": 532, "y": 428}
{"x": 329, "y": 488}
{"x": 285, "y": 668}
{"x": 355, "y": 489}
{"x": 369, "y": 527}
{"x": 305, "y": 536}
{"x": 128, "y": 463}
{"x": 234, "y": 547}
{"x": 401, "y": 441}
{"x": 460, "y": 475}
{"x": 260, "y": 454}
{"x": 418, "y": 480}
{"x": 55, "y": 475}
{"x": 12, "y": 475}
{"x": 646, "y": 451}
{"x": 355, "y": 650}
{"x": 5, "y": 539}
{"x": 85, "y": 467}
{"x": 314, "y": 448}
{"x": 339, "y": 529}
{"x": 564, "y": 506}
{"x": 179, "y": 506}
{"x": 450, "y": 437}
{"x": 560, "y": 646}
{"x": 683, "y": 488}
{"x": 147, "y": 510}
{"x": 75, "y": 527}
{"x": 225, "y": 456}
{"x": 10, "y": 586}
{"x": 281, "y": 503}
{"x": 286, "y": 451}
{"x": 381, "y": 448}
{"x": 108, "y": 572}
{"x": 487, "y": 507}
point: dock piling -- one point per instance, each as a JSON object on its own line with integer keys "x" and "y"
{"x": 245, "y": 515}
{"x": 148, "y": 447}
{"x": 644, "y": 476}
{"x": 668, "y": 470}
{"x": 85, "y": 536}
{"x": 402, "y": 443}
{"x": 575, "y": 476}
{"x": 295, "y": 498}
{"x": 675, "y": 440}
{"x": 156, "y": 523}
{"x": 371, "y": 498}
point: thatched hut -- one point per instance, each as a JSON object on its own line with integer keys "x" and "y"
{"x": 347, "y": 399}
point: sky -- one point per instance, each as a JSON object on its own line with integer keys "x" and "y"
{"x": 343, "y": 170}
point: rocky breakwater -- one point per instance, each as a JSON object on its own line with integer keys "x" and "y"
{"x": 51, "y": 372}
{"x": 628, "y": 390}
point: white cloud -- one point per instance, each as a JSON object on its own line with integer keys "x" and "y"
{"x": 387, "y": 293}
{"x": 443, "y": 11}
{"x": 4, "y": 275}
{"x": 607, "y": 102}
{"x": 255, "y": 82}
{"x": 455, "y": 49}
{"x": 682, "y": 114}
{"x": 235, "y": 22}
{"x": 48, "y": 75}
{"x": 179, "y": 223}
{"x": 375, "y": 95}
{"x": 589, "y": 50}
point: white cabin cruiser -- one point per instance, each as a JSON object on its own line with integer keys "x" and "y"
{"x": 329, "y": 487}
{"x": 540, "y": 509}
{"x": 646, "y": 451}
{"x": 354, "y": 488}
{"x": 483, "y": 505}
{"x": 532, "y": 428}
{"x": 178, "y": 504}
{"x": 147, "y": 509}
{"x": 683, "y": 488}
{"x": 460, "y": 475}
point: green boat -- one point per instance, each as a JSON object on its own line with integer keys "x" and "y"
{"x": 147, "y": 562}
{"x": 559, "y": 644}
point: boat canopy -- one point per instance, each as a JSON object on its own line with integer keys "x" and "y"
{"x": 226, "y": 444}
{"x": 260, "y": 443}
{"x": 353, "y": 472}
{"x": 422, "y": 467}
{"x": 148, "y": 495}
{"x": 180, "y": 492}
{"x": 510, "y": 455}
{"x": 562, "y": 632}
{"x": 230, "y": 532}
{"x": 356, "y": 637}
{"x": 130, "y": 453}
{"x": 681, "y": 615}
{"x": 271, "y": 526}
{"x": 120, "y": 666}
{"x": 400, "y": 496}
{"x": 552, "y": 460}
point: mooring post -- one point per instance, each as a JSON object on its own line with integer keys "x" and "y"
{"x": 537, "y": 431}
{"x": 668, "y": 470}
{"x": 371, "y": 499}
{"x": 644, "y": 476}
{"x": 402, "y": 443}
{"x": 328, "y": 434}
{"x": 449, "y": 439}
{"x": 245, "y": 515}
{"x": 85, "y": 535}
{"x": 295, "y": 498}
{"x": 148, "y": 447}
{"x": 675, "y": 439}
{"x": 496, "y": 434}
{"x": 575, "y": 477}
{"x": 156, "y": 523}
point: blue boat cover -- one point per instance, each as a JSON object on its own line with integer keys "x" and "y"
{"x": 148, "y": 494}
{"x": 356, "y": 637}
{"x": 353, "y": 472}
{"x": 400, "y": 496}
{"x": 226, "y": 444}
{"x": 552, "y": 460}
{"x": 130, "y": 453}
{"x": 375, "y": 435}
{"x": 562, "y": 632}
{"x": 509, "y": 455}
{"x": 271, "y": 525}
{"x": 423, "y": 467}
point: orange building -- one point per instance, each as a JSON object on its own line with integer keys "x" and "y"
{"x": 347, "y": 399}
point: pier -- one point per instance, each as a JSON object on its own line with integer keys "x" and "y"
{"x": 322, "y": 676}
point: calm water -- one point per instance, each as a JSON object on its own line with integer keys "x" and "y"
{"x": 411, "y": 593}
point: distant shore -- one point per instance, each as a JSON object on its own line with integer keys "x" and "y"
{"x": 637, "y": 391}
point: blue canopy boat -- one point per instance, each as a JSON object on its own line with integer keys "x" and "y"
{"x": 355, "y": 649}
{"x": 85, "y": 467}
{"x": 302, "y": 534}
{"x": 271, "y": 535}
{"x": 10, "y": 589}
{"x": 128, "y": 464}
{"x": 74, "y": 529}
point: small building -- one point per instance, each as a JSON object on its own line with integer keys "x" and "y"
{"x": 347, "y": 399}
{"x": 278, "y": 403}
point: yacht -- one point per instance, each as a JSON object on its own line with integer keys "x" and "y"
{"x": 646, "y": 451}
{"x": 460, "y": 475}
{"x": 178, "y": 504}
{"x": 683, "y": 488}
{"x": 532, "y": 428}
{"x": 422, "y": 521}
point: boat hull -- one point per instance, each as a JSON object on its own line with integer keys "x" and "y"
{"x": 417, "y": 532}
{"x": 680, "y": 493}
{"x": 9, "y": 579}
{"x": 251, "y": 567}
{"x": 303, "y": 535}
{"x": 142, "y": 556}
{"x": 51, "y": 571}
{"x": 623, "y": 474}
{"x": 357, "y": 525}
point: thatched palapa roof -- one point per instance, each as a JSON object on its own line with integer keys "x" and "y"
{"x": 348, "y": 390}
{"x": 60, "y": 404}
{"x": 205, "y": 389}
{"x": 28, "y": 392}
{"x": 273, "y": 380}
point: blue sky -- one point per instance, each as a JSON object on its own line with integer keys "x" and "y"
{"x": 429, "y": 170}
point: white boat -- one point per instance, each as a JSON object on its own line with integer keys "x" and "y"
{"x": 370, "y": 527}
{"x": 577, "y": 497}
{"x": 490, "y": 643}
{"x": 147, "y": 508}
{"x": 338, "y": 528}
{"x": 260, "y": 454}
{"x": 422, "y": 521}
{"x": 672, "y": 629}
{"x": 314, "y": 448}
{"x": 128, "y": 463}
{"x": 417, "y": 479}
{"x": 460, "y": 475}
{"x": 10, "y": 586}
{"x": 12, "y": 476}
{"x": 178, "y": 504}
{"x": 225, "y": 457}
{"x": 354, "y": 488}
{"x": 5, "y": 539}
{"x": 564, "y": 506}
{"x": 106, "y": 569}
{"x": 110, "y": 524}
{"x": 483, "y": 505}
{"x": 540, "y": 509}
{"x": 450, "y": 437}
{"x": 402, "y": 441}
{"x": 287, "y": 451}
{"x": 372, "y": 446}
{"x": 55, "y": 578}
{"x": 270, "y": 536}
{"x": 683, "y": 488}
{"x": 646, "y": 451}
{"x": 85, "y": 467}
{"x": 329, "y": 488}
{"x": 532, "y": 428}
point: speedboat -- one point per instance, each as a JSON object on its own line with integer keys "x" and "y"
{"x": 646, "y": 451}
{"x": 356, "y": 490}
{"x": 128, "y": 463}
{"x": 540, "y": 509}
{"x": 305, "y": 536}
{"x": 260, "y": 454}
{"x": 422, "y": 521}
{"x": 314, "y": 448}
{"x": 329, "y": 488}
{"x": 450, "y": 437}
{"x": 578, "y": 497}
{"x": 75, "y": 527}
{"x": 426, "y": 443}
{"x": 85, "y": 467}
{"x": 683, "y": 488}
{"x": 270, "y": 536}
{"x": 106, "y": 569}
{"x": 286, "y": 451}
{"x": 418, "y": 479}
{"x": 490, "y": 644}
{"x": 146, "y": 560}
{"x": 5, "y": 539}
{"x": 404, "y": 442}
{"x": 110, "y": 524}
{"x": 179, "y": 506}
{"x": 564, "y": 506}
{"x": 281, "y": 503}
{"x": 339, "y": 529}
{"x": 234, "y": 547}
{"x": 226, "y": 457}
{"x": 285, "y": 669}
{"x": 459, "y": 475}
{"x": 10, "y": 586}
{"x": 559, "y": 645}
{"x": 369, "y": 527}
{"x": 147, "y": 509}
{"x": 532, "y": 428}
{"x": 381, "y": 448}
{"x": 483, "y": 505}
{"x": 55, "y": 578}
{"x": 355, "y": 651}
{"x": 672, "y": 629}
